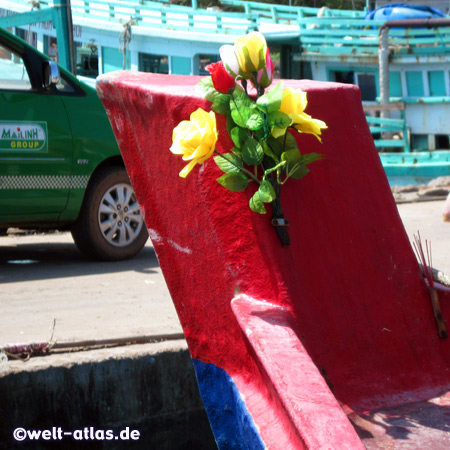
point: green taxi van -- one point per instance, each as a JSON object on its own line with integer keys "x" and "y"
{"x": 60, "y": 166}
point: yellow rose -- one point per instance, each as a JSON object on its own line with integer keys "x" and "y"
{"x": 195, "y": 139}
{"x": 251, "y": 52}
{"x": 294, "y": 104}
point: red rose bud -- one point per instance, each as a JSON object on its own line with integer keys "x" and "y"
{"x": 221, "y": 79}
{"x": 265, "y": 75}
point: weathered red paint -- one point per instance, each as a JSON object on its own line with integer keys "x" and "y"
{"x": 349, "y": 278}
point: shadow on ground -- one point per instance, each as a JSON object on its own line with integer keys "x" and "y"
{"x": 32, "y": 261}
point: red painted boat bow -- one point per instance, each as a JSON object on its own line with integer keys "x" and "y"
{"x": 282, "y": 337}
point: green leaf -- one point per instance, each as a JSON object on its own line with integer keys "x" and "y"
{"x": 245, "y": 112}
{"x": 237, "y": 152}
{"x": 255, "y": 121}
{"x": 309, "y": 158}
{"x": 271, "y": 100}
{"x": 237, "y": 116}
{"x": 230, "y": 124}
{"x": 256, "y": 204}
{"x": 278, "y": 119}
{"x": 238, "y": 136}
{"x": 206, "y": 88}
{"x": 268, "y": 151}
{"x": 289, "y": 142}
{"x": 229, "y": 163}
{"x": 239, "y": 106}
{"x": 297, "y": 171}
{"x": 276, "y": 145}
{"x": 221, "y": 104}
{"x": 291, "y": 156}
{"x": 235, "y": 182}
{"x": 252, "y": 152}
{"x": 295, "y": 167}
{"x": 266, "y": 192}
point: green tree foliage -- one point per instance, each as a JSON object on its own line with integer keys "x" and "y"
{"x": 332, "y": 4}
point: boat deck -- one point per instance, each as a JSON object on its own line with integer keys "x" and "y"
{"x": 418, "y": 425}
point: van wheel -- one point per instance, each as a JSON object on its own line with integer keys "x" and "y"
{"x": 110, "y": 226}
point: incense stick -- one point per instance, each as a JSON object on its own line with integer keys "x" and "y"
{"x": 426, "y": 261}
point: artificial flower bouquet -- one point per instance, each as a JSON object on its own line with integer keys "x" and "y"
{"x": 264, "y": 151}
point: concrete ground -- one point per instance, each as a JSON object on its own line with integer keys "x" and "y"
{"x": 45, "y": 280}
{"x": 426, "y": 217}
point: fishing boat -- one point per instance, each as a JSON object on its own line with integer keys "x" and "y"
{"x": 334, "y": 341}
{"x": 398, "y": 55}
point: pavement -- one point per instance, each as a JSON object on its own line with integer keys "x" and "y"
{"x": 49, "y": 290}
{"x": 425, "y": 217}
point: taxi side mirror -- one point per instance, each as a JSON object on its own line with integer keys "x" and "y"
{"x": 50, "y": 73}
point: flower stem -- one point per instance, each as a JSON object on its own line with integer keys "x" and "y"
{"x": 284, "y": 140}
{"x": 244, "y": 84}
{"x": 278, "y": 216}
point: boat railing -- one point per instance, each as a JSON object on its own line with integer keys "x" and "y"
{"x": 334, "y": 36}
{"x": 421, "y": 100}
{"x": 285, "y": 14}
{"x": 388, "y": 132}
{"x": 154, "y": 14}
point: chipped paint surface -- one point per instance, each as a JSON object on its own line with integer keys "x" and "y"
{"x": 179, "y": 247}
{"x": 157, "y": 238}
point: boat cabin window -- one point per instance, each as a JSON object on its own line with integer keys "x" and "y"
{"x": 27, "y": 36}
{"x": 205, "y": 60}
{"x": 442, "y": 141}
{"x": 367, "y": 85}
{"x": 86, "y": 55}
{"x": 420, "y": 142}
{"x": 343, "y": 76}
{"x": 365, "y": 80}
{"x": 153, "y": 63}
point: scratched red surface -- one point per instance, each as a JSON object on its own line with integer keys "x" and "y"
{"x": 349, "y": 277}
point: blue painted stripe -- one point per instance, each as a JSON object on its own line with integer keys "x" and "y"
{"x": 231, "y": 423}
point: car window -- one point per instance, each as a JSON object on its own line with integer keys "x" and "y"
{"x": 13, "y": 73}
{"x": 64, "y": 85}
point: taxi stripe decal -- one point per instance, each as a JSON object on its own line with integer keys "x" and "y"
{"x": 43, "y": 182}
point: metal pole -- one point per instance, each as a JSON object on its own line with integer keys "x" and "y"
{"x": 64, "y": 35}
{"x": 70, "y": 33}
{"x": 383, "y": 51}
{"x": 383, "y": 62}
